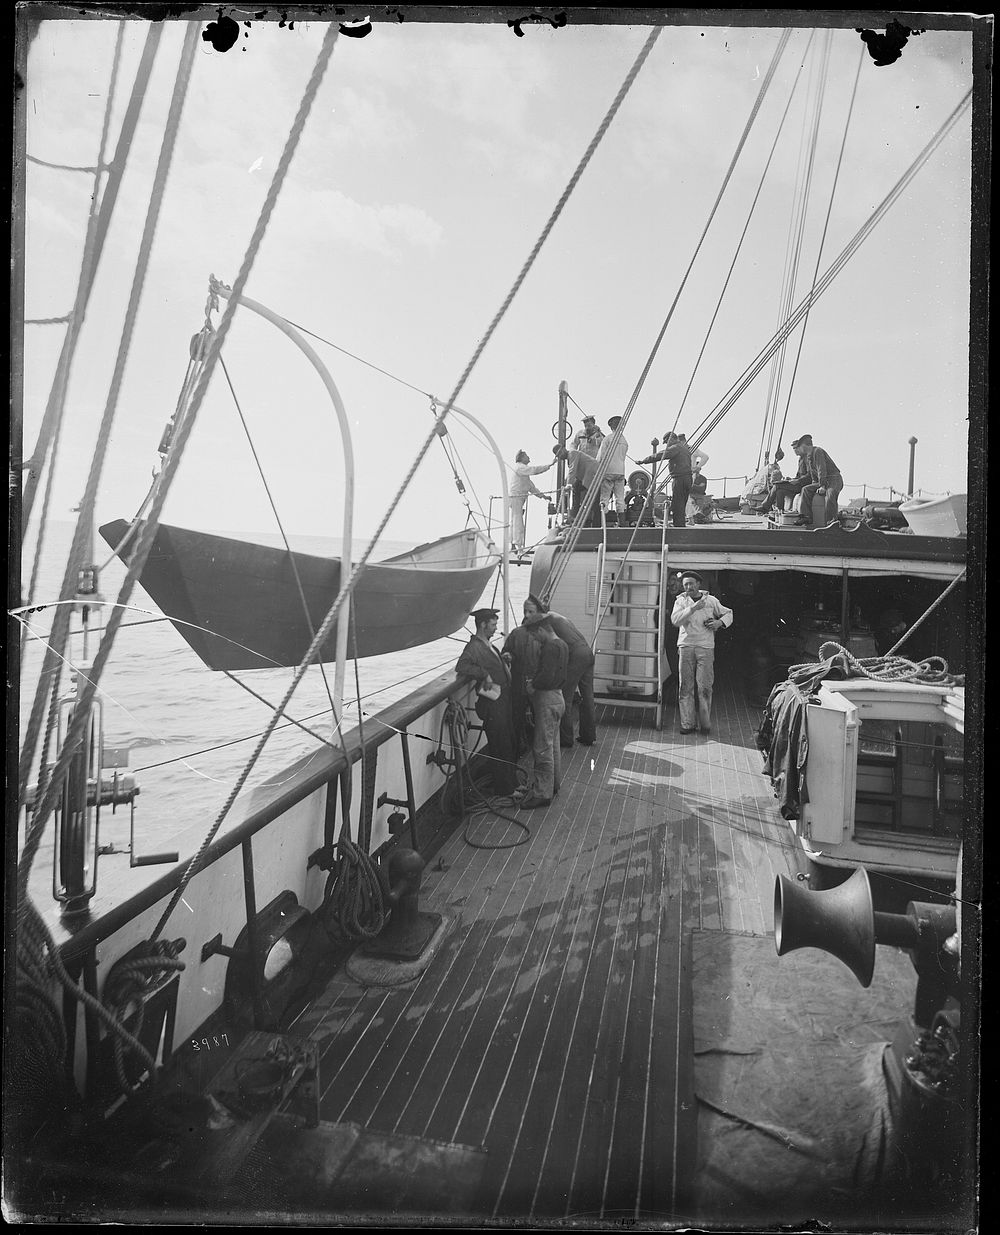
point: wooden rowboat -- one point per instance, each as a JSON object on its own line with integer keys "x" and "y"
{"x": 237, "y": 604}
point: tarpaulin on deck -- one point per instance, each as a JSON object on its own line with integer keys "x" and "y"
{"x": 793, "y": 1117}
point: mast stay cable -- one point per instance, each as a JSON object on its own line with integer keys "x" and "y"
{"x": 746, "y": 227}
{"x": 33, "y": 935}
{"x": 725, "y": 404}
{"x": 565, "y": 549}
{"x": 50, "y": 448}
{"x": 796, "y": 235}
{"x": 281, "y": 526}
{"x": 358, "y": 566}
{"x": 52, "y": 416}
{"x": 822, "y": 239}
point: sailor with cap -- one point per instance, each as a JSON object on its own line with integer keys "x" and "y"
{"x": 586, "y": 442}
{"x": 783, "y": 492}
{"x": 483, "y": 664}
{"x": 697, "y": 616}
{"x": 824, "y": 480}
{"x": 611, "y": 456}
{"x": 677, "y": 453}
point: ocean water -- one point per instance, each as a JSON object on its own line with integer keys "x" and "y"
{"x": 189, "y": 731}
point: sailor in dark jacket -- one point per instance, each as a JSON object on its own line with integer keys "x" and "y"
{"x": 546, "y": 691}
{"x": 677, "y": 453}
{"x": 579, "y": 672}
{"x": 481, "y": 662}
{"x": 521, "y": 650}
{"x": 825, "y": 481}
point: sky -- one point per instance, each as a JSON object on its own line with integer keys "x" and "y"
{"x": 433, "y": 156}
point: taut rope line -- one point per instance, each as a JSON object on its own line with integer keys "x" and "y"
{"x": 348, "y": 587}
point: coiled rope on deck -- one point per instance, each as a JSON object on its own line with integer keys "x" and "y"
{"x": 833, "y": 660}
{"x": 459, "y": 781}
{"x": 354, "y": 901}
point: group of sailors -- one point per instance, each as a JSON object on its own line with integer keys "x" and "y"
{"x": 526, "y": 691}
{"x": 525, "y": 694}
{"x": 817, "y": 476}
{"x": 591, "y": 451}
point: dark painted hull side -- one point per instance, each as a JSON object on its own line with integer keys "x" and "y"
{"x": 237, "y": 604}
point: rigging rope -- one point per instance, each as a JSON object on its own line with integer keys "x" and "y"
{"x": 281, "y": 527}
{"x": 565, "y": 549}
{"x": 82, "y": 710}
{"x": 456, "y": 783}
{"x": 100, "y": 166}
{"x": 927, "y": 612}
{"x": 84, "y": 527}
{"x": 932, "y": 671}
{"x": 822, "y": 240}
{"x": 354, "y": 898}
{"x": 51, "y": 452}
{"x": 796, "y": 234}
{"x": 93, "y": 248}
{"x": 348, "y": 587}
{"x": 746, "y": 227}
{"x": 32, "y": 931}
{"x": 186, "y": 425}
{"x": 712, "y": 418}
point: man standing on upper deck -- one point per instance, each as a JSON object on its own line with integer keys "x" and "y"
{"x": 481, "y": 662}
{"x": 612, "y": 455}
{"x": 697, "y": 616}
{"x": 586, "y": 442}
{"x": 677, "y": 453}
{"x": 520, "y": 487}
{"x": 825, "y": 481}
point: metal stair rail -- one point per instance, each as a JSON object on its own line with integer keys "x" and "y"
{"x": 629, "y": 609}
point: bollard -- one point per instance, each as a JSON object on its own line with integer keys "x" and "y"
{"x": 409, "y": 929}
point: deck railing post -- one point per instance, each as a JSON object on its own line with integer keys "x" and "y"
{"x": 250, "y": 900}
{"x": 411, "y": 802}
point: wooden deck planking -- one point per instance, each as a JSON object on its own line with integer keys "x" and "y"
{"x": 422, "y": 1012}
{"x": 486, "y": 1095}
{"x": 554, "y": 1108}
{"x": 594, "y": 1192}
{"x": 619, "y": 901}
{"x": 344, "y": 1071}
{"x": 486, "y": 1017}
{"x": 553, "y": 1026}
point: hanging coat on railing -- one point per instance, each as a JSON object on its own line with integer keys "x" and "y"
{"x": 782, "y": 741}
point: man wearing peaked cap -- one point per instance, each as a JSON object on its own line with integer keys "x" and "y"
{"x": 482, "y": 664}
{"x": 697, "y": 615}
{"x": 784, "y": 492}
{"x": 583, "y": 450}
